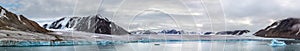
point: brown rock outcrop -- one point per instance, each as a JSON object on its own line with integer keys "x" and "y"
{"x": 11, "y": 21}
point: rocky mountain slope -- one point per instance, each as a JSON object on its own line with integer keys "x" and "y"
{"x": 11, "y": 21}
{"x": 15, "y": 27}
{"x": 94, "y": 24}
{"x": 286, "y": 28}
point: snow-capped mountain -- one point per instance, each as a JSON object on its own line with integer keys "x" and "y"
{"x": 286, "y": 28}
{"x": 94, "y": 24}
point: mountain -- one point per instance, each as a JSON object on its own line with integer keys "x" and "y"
{"x": 234, "y": 32}
{"x": 143, "y": 32}
{"x": 94, "y": 24}
{"x": 286, "y": 28}
{"x": 11, "y": 21}
{"x": 15, "y": 27}
{"x": 173, "y": 31}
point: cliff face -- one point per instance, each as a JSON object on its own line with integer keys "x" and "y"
{"x": 11, "y": 21}
{"x": 287, "y": 28}
{"x": 94, "y": 24}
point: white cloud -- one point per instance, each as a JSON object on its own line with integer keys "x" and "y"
{"x": 245, "y": 20}
{"x": 199, "y": 25}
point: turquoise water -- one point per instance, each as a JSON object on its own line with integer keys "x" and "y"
{"x": 168, "y": 46}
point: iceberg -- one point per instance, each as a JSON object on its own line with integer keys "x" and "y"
{"x": 276, "y": 43}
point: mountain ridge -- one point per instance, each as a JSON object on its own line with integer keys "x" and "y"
{"x": 11, "y": 21}
{"x": 286, "y": 28}
{"x": 93, "y": 24}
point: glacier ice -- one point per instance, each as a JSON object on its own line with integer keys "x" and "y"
{"x": 276, "y": 43}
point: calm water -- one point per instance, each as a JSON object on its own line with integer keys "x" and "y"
{"x": 168, "y": 46}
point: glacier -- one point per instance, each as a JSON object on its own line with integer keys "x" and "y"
{"x": 71, "y": 38}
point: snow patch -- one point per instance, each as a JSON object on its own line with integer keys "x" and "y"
{"x": 64, "y": 22}
{"x": 21, "y": 20}
{"x": 278, "y": 22}
{"x": 296, "y": 27}
{"x": 89, "y": 22}
{"x": 2, "y": 12}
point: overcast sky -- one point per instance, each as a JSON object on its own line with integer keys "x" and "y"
{"x": 190, "y": 15}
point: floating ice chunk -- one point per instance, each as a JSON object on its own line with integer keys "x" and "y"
{"x": 104, "y": 42}
{"x": 276, "y": 43}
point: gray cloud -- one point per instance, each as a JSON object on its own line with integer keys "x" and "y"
{"x": 191, "y": 15}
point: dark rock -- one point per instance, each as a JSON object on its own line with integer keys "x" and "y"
{"x": 115, "y": 29}
{"x": 7, "y": 35}
{"x": 241, "y": 32}
{"x": 235, "y": 32}
{"x": 45, "y": 25}
{"x": 208, "y": 33}
{"x": 156, "y": 44}
{"x": 225, "y": 33}
{"x": 173, "y": 31}
{"x": 55, "y": 24}
{"x": 286, "y": 28}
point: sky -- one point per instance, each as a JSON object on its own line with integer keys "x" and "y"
{"x": 188, "y": 15}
